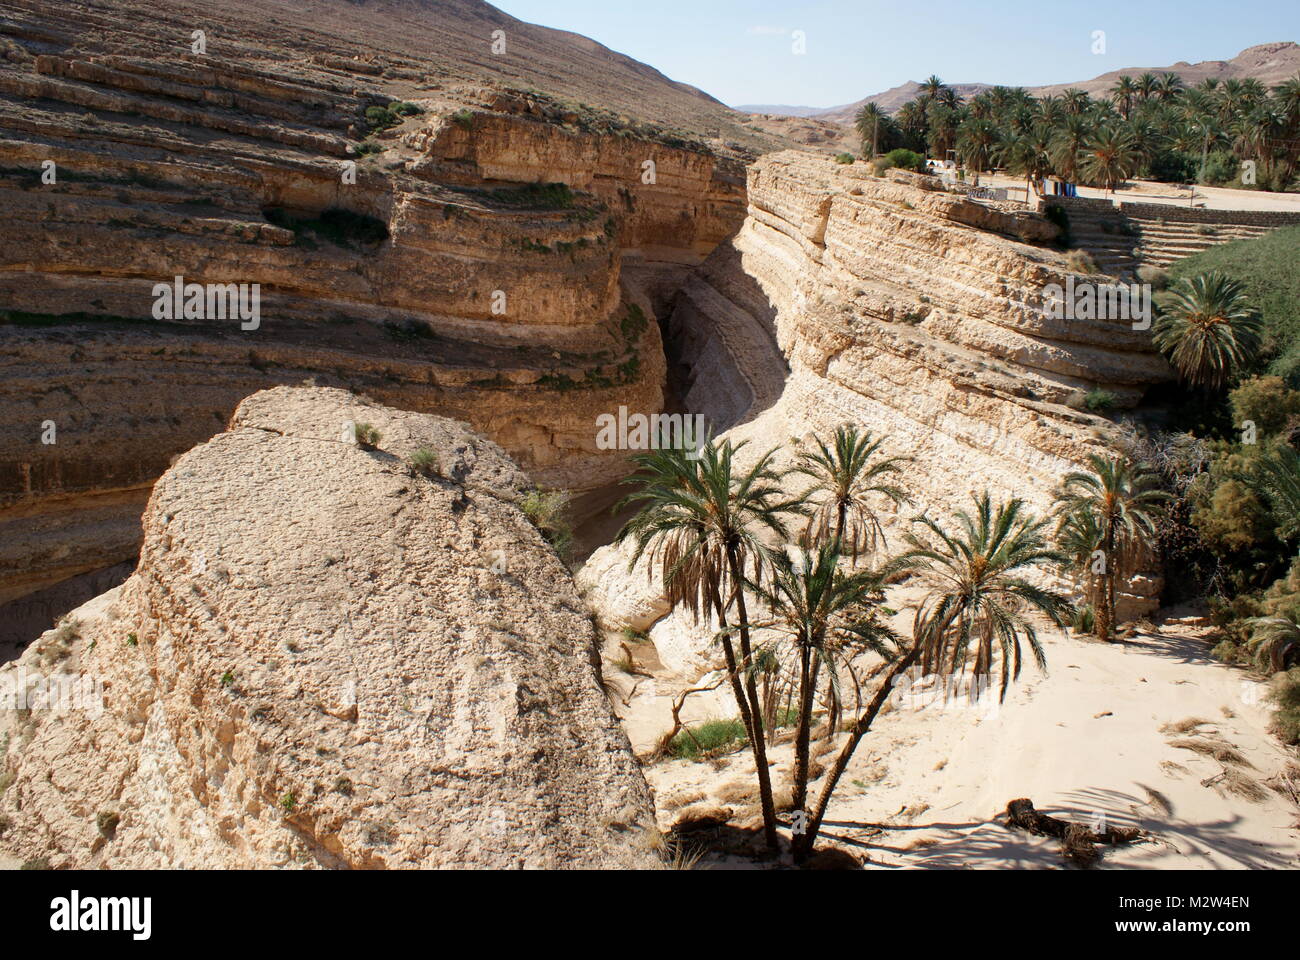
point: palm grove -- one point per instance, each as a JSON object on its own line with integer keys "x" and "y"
{"x": 794, "y": 582}
{"x": 795, "y": 585}
{"x": 1150, "y": 126}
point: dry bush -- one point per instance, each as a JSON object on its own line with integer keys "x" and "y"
{"x": 1225, "y": 753}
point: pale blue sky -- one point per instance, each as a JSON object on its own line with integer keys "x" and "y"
{"x": 740, "y": 52}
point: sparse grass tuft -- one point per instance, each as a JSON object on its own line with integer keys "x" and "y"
{"x": 425, "y": 462}
{"x": 1081, "y": 261}
{"x": 1099, "y": 401}
{"x": 368, "y": 436}
{"x": 548, "y": 511}
{"x": 708, "y": 739}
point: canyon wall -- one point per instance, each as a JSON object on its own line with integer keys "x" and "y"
{"x": 918, "y": 315}
{"x": 430, "y": 263}
{"x": 329, "y": 656}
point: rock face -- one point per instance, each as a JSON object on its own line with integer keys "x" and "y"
{"x": 327, "y": 659}
{"x": 918, "y": 315}
{"x": 419, "y": 262}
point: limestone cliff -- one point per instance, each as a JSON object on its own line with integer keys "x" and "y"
{"x": 491, "y": 253}
{"x": 917, "y": 314}
{"x": 326, "y": 658}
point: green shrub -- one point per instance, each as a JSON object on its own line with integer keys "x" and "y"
{"x": 1099, "y": 401}
{"x": 425, "y": 462}
{"x": 845, "y": 158}
{"x": 536, "y": 196}
{"x": 1286, "y": 694}
{"x": 1267, "y": 402}
{"x": 708, "y": 739}
{"x": 382, "y": 118}
{"x": 463, "y": 119}
{"x": 906, "y": 160}
{"x": 880, "y": 165}
{"x": 1057, "y": 214}
{"x": 368, "y": 436}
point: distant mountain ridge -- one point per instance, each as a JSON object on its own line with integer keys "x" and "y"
{"x": 1269, "y": 63}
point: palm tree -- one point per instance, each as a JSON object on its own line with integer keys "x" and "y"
{"x": 853, "y": 480}
{"x": 699, "y": 521}
{"x": 1075, "y": 101}
{"x": 1029, "y": 156}
{"x": 912, "y": 120}
{"x": 1117, "y": 502}
{"x": 1147, "y": 85}
{"x": 868, "y": 120}
{"x": 977, "y": 597}
{"x": 1169, "y": 87}
{"x": 977, "y": 145}
{"x": 1110, "y": 157}
{"x": 1123, "y": 94}
{"x": 942, "y": 132}
{"x": 1274, "y": 642}
{"x": 931, "y": 88}
{"x": 825, "y": 617}
{"x": 1275, "y": 476}
{"x": 1067, "y": 147}
{"x": 1209, "y": 330}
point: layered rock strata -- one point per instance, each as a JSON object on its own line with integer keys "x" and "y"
{"x": 488, "y": 254}
{"x": 328, "y": 657}
{"x": 917, "y": 314}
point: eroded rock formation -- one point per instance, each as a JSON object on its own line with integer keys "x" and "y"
{"x": 326, "y": 659}
{"x": 915, "y": 313}
{"x": 425, "y": 258}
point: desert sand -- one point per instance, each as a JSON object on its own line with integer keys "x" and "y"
{"x": 1093, "y": 737}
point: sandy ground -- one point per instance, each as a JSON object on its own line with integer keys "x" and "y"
{"x": 1146, "y": 191}
{"x": 1091, "y": 740}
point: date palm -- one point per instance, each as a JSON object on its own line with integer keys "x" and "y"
{"x": 1110, "y": 157}
{"x": 1075, "y": 101}
{"x": 1274, "y": 643}
{"x": 1147, "y": 84}
{"x": 1275, "y": 476}
{"x": 1029, "y": 156}
{"x": 869, "y": 120}
{"x": 1169, "y": 87}
{"x": 1123, "y": 94}
{"x": 853, "y": 477}
{"x": 974, "y": 612}
{"x": 824, "y": 617}
{"x": 1116, "y": 502}
{"x": 1208, "y": 330}
{"x": 1071, "y": 136}
{"x": 977, "y": 145}
{"x": 700, "y": 523}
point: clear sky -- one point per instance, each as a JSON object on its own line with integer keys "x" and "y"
{"x": 740, "y": 52}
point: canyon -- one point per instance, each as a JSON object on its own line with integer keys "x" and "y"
{"x": 492, "y": 253}
{"x": 301, "y": 559}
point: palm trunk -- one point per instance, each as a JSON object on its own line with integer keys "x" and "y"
{"x": 729, "y": 651}
{"x": 804, "y": 732}
{"x": 803, "y": 845}
{"x": 1105, "y": 612}
{"x": 757, "y": 738}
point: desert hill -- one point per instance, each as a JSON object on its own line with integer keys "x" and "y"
{"x": 1269, "y": 63}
